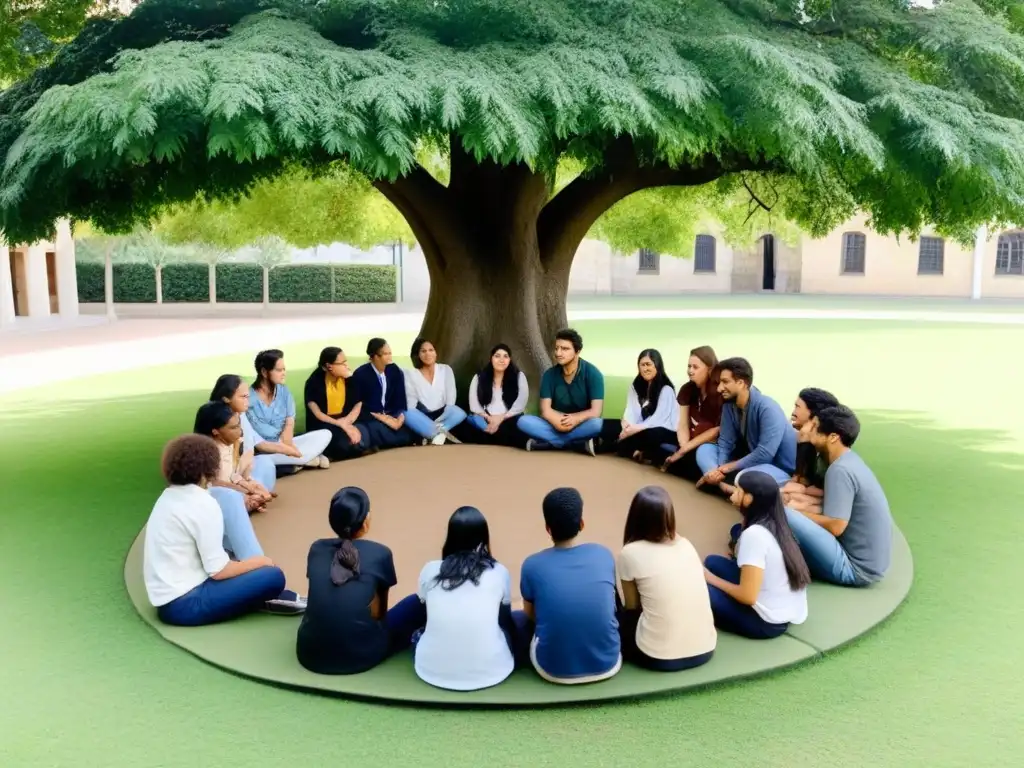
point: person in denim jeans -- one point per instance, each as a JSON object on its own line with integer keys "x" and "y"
{"x": 571, "y": 400}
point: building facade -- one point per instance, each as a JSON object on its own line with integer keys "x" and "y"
{"x": 39, "y": 280}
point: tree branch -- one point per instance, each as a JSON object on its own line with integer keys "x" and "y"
{"x": 421, "y": 199}
{"x": 568, "y": 217}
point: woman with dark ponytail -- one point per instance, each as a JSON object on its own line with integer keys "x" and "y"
{"x": 347, "y": 627}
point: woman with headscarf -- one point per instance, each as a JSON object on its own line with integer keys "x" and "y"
{"x": 347, "y": 627}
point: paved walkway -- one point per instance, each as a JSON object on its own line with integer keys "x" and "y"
{"x": 59, "y": 354}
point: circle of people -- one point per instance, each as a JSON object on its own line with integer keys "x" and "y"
{"x": 810, "y": 507}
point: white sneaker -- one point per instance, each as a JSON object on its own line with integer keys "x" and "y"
{"x": 324, "y": 462}
{"x": 438, "y": 439}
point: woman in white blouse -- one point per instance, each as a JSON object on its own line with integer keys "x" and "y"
{"x": 497, "y": 398}
{"x": 430, "y": 391}
{"x": 652, "y": 413}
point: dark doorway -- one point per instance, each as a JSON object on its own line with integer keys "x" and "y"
{"x": 18, "y": 283}
{"x": 768, "y": 263}
{"x": 51, "y": 280}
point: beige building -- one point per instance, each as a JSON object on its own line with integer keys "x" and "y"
{"x": 39, "y": 280}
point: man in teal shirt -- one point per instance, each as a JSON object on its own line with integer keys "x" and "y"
{"x": 571, "y": 400}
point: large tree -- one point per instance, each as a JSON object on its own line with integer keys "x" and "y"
{"x": 912, "y": 115}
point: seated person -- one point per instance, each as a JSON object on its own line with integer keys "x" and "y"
{"x": 231, "y": 389}
{"x": 850, "y": 542}
{"x": 666, "y": 623}
{"x": 571, "y": 400}
{"x": 498, "y": 395}
{"x": 348, "y": 628}
{"x": 763, "y": 590}
{"x": 380, "y": 386}
{"x": 272, "y": 414}
{"x": 430, "y": 393}
{"x": 755, "y": 432}
{"x": 237, "y": 494}
{"x": 470, "y": 639}
{"x": 329, "y": 407}
{"x": 651, "y": 414}
{"x": 804, "y": 491}
{"x": 190, "y": 579}
{"x": 569, "y": 594}
{"x": 700, "y": 413}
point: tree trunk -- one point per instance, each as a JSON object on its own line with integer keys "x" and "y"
{"x": 266, "y": 290}
{"x": 108, "y": 282}
{"x": 212, "y": 277}
{"x": 159, "y": 284}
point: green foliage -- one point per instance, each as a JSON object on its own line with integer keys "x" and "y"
{"x": 91, "y": 282}
{"x": 239, "y": 283}
{"x": 365, "y": 283}
{"x": 134, "y": 283}
{"x": 913, "y": 115}
{"x": 185, "y": 282}
{"x": 301, "y": 283}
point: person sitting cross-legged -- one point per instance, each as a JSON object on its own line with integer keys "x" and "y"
{"x": 700, "y": 414}
{"x": 430, "y": 393}
{"x": 755, "y": 433}
{"x": 379, "y": 385}
{"x": 665, "y": 622}
{"x": 850, "y": 542}
{"x": 498, "y": 395}
{"x": 805, "y": 490}
{"x": 569, "y": 594}
{"x": 760, "y": 591}
{"x": 330, "y": 406}
{"x": 571, "y": 400}
{"x": 189, "y": 577}
{"x": 651, "y": 415}
{"x": 232, "y": 390}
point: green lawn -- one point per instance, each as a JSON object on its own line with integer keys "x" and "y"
{"x": 84, "y": 682}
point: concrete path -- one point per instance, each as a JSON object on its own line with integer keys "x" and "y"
{"x": 59, "y": 354}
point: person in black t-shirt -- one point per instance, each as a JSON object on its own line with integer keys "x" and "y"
{"x": 806, "y": 490}
{"x": 347, "y": 628}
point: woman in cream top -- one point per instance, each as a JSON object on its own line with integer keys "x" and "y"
{"x": 498, "y": 395}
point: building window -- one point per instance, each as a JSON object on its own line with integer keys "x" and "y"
{"x": 648, "y": 262}
{"x": 1010, "y": 254}
{"x": 704, "y": 254}
{"x": 854, "y": 244}
{"x": 931, "y": 256}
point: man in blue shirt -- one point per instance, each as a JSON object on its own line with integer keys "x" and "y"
{"x": 569, "y": 593}
{"x": 756, "y": 433}
{"x": 571, "y": 400}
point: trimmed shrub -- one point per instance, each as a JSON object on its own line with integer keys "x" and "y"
{"x": 89, "y": 276}
{"x": 134, "y": 284}
{"x": 301, "y": 283}
{"x": 364, "y": 283}
{"x": 240, "y": 283}
{"x": 186, "y": 282}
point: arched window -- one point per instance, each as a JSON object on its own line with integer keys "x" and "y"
{"x": 704, "y": 254}
{"x": 931, "y": 256}
{"x": 854, "y": 244}
{"x": 1010, "y": 254}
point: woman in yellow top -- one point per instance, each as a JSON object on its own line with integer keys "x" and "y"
{"x": 328, "y": 406}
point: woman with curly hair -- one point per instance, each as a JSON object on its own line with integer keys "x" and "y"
{"x": 189, "y": 577}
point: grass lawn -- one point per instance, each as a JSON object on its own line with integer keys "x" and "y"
{"x": 84, "y": 682}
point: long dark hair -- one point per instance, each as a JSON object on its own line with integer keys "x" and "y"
{"x": 767, "y": 510}
{"x": 349, "y": 509}
{"x": 466, "y": 553}
{"x": 266, "y": 361}
{"x": 816, "y": 401}
{"x": 651, "y": 517}
{"x": 646, "y": 393}
{"x": 327, "y": 356}
{"x": 210, "y": 416}
{"x": 226, "y": 387}
{"x": 509, "y": 381}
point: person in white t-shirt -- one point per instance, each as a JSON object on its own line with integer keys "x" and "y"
{"x": 430, "y": 394}
{"x": 764, "y": 589}
{"x": 651, "y": 418}
{"x": 471, "y": 637}
{"x": 189, "y": 578}
{"x": 665, "y": 622}
{"x": 498, "y": 395}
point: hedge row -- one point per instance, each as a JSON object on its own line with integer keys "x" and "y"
{"x": 296, "y": 283}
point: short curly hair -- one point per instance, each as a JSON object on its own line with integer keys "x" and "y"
{"x": 190, "y": 459}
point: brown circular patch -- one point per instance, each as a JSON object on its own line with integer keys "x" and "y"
{"x": 413, "y": 492}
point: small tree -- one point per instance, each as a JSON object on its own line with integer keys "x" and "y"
{"x": 93, "y": 245}
{"x": 146, "y": 246}
{"x": 271, "y": 251}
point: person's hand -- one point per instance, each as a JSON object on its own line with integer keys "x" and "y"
{"x": 569, "y": 421}
{"x": 262, "y": 561}
{"x": 671, "y": 460}
{"x": 709, "y": 577}
{"x": 493, "y": 423}
{"x": 353, "y": 434}
{"x": 291, "y": 450}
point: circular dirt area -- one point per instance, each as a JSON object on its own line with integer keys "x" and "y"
{"x": 413, "y": 491}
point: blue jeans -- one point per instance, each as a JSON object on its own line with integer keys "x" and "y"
{"x": 420, "y": 422}
{"x": 239, "y": 537}
{"x": 264, "y": 471}
{"x": 730, "y": 614}
{"x": 825, "y": 556}
{"x": 215, "y": 601}
{"x": 537, "y": 428}
{"x": 707, "y": 459}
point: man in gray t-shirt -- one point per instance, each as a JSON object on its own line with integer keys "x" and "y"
{"x": 851, "y": 542}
